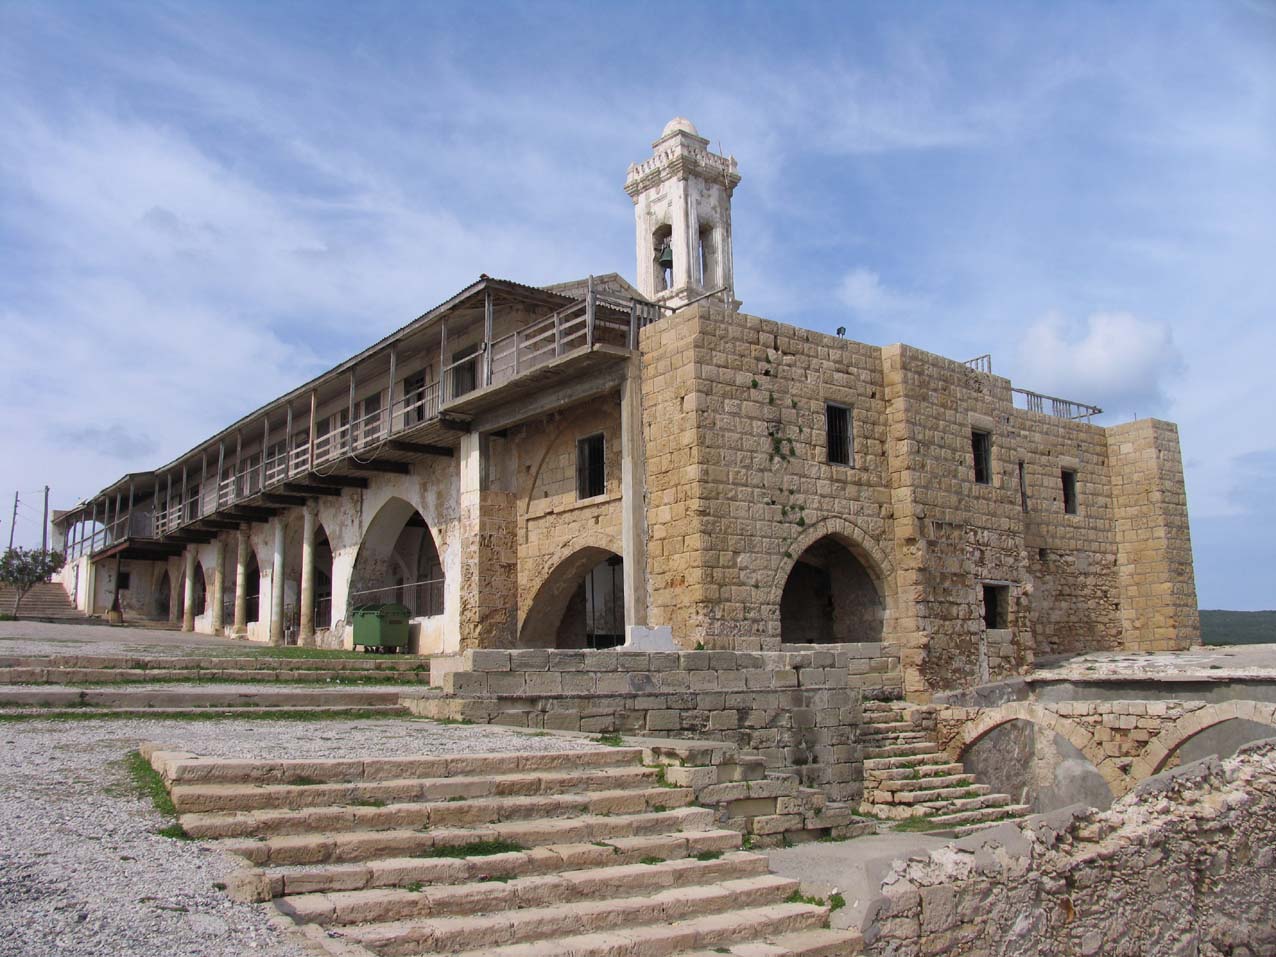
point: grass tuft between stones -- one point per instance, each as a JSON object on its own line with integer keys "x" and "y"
{"x": 148, "y": 783}
{"x": 475, "y": 849}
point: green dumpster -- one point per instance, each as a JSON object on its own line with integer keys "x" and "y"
{"x": 381, "y": 627}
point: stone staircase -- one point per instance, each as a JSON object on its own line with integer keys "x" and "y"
{"x": 907, "y": 776}
{"x": 588, "y": 853}
{"x": 46, "y": 601}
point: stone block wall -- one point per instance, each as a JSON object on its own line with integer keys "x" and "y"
{"x": 800, "y": 711}
{"x": 1185, "y": 864}
{"x": 1154, "y": 545}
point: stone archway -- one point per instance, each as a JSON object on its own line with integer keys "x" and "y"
{"x": 971, "y": 731}
{"x": 579, "y": 603}
{"x": 1158, "y": 752}
{"x": 835, "y": 584}
{"x": 199, "y": 591}
{"x": 398, "y": 561}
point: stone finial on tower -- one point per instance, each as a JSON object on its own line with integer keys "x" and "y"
{"x": 682, "y": 207}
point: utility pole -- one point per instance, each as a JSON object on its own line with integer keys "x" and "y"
{"x": 15, "y": 519}
{"x": 44, "y": 528}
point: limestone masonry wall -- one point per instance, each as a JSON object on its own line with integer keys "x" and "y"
{"x": 800, "y": 711}
{"x": 1158, "y": 588}
{"x": 1185, "y": 864}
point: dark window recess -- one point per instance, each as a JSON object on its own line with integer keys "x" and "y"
{"x": 981, "y": 446}
{"x": 1069, "y": 491}
{"x": 414, "y": 399}
{"x": 122, "y": 582}
{"x": 838, "y": 421}
{"x": 996, "y": 606}
{"x": 591, "y": 476}
{"x": 1023, "y": 488}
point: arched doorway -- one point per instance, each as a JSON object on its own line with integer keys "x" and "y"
{"x": 323, "y": 579}
{"x": 162, "y": 596}
{"x": 580, "y": 605}
{"x": 830, "y": 596}
{"x": 199, "y": 591}
{"x": 398, "y": 561}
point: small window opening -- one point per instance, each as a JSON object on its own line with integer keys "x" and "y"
{"x": 981, "y": 447}
{"x": 1043, "y": 555}
{"x": 1023, "y": 487}
{"x": 838, "y": 423}
{"x": 1069, "y": 491}
{"x": 591, "y": 476}
{"x": 996, "y": 606}
{"x": 122, "y": 582}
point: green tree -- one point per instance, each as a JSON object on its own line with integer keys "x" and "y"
{"x": 24, "y": 568}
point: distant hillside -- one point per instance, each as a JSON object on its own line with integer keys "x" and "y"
{"x": 1238, "y": 627}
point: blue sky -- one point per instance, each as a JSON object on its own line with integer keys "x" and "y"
{"x": 202, "y": 205}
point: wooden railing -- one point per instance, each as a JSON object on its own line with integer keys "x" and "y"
{"x": 579, "y": 325}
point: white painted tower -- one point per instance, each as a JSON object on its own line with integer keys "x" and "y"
{"x": 682, "y": 206}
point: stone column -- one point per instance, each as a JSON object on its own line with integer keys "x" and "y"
{"x": 240, "y": 626}
{"x": 219, "y": 584}
{"x": 277, "y": 586}
{"x": 306, "y": 622}
{"x": 188, "y": 604}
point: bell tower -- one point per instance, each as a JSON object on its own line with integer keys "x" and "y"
{"x": 682, "y": 208}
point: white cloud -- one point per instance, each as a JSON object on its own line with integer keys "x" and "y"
{"x": 1113, "y": 359}
{"x": 871, "y": 300}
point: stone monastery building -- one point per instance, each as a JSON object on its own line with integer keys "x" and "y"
{"x": 589, "y": 464}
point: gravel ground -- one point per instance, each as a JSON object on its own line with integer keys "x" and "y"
{"x": 82, "y": 870}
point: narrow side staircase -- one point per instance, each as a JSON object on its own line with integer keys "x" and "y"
{"x": 585, "y": 853}
{"x": 906, "y": 775}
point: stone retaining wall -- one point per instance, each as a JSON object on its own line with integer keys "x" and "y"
{"x": 799, "y": 710}
{"x": 1185, "y": 864}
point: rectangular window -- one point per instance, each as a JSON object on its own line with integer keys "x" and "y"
{"x": 981, "y": 446}
{"x": 123, "y": 582}
{"x": 1069, "y": 491}
{"x": 838, "y": 423}
{"x": 996, "y": 606}
{"x": 591, "y": 477}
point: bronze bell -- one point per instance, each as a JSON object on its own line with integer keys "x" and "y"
{"x": 666, "y": 256}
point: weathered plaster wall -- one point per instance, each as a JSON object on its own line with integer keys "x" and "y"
{"x": 1186, "y": 864}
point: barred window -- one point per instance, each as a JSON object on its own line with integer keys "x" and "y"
{"x": 838, "y": 422}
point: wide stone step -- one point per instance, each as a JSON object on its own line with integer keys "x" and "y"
{"x": 968, "y": 804}
{"x": 187, "y": 698}
{"x": 547, "y": 859}
{"x": 353, "y": 846}
{"x": 451, "y": 813}
{"x": 931, "y": 796}
{"x": 751, "y": 928}
{"x": 874, "y": 777}
{"x": 76, "y": 676}
{"x": 144, "y": 663}
{"x": 870, "y": 740}
{"x": 241, "y": 797}
{"x": 505, "y": 926}
{"x": 980, "y": 815}
{"x": 923, "y": 761}
{"x": 454, "y": 900}
{"x": 917, "y": 749}
{"x": 928, "y": 783}
{"x": 180, "y": 771}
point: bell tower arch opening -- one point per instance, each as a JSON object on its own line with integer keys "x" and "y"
{"x": 682, "y": 208}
